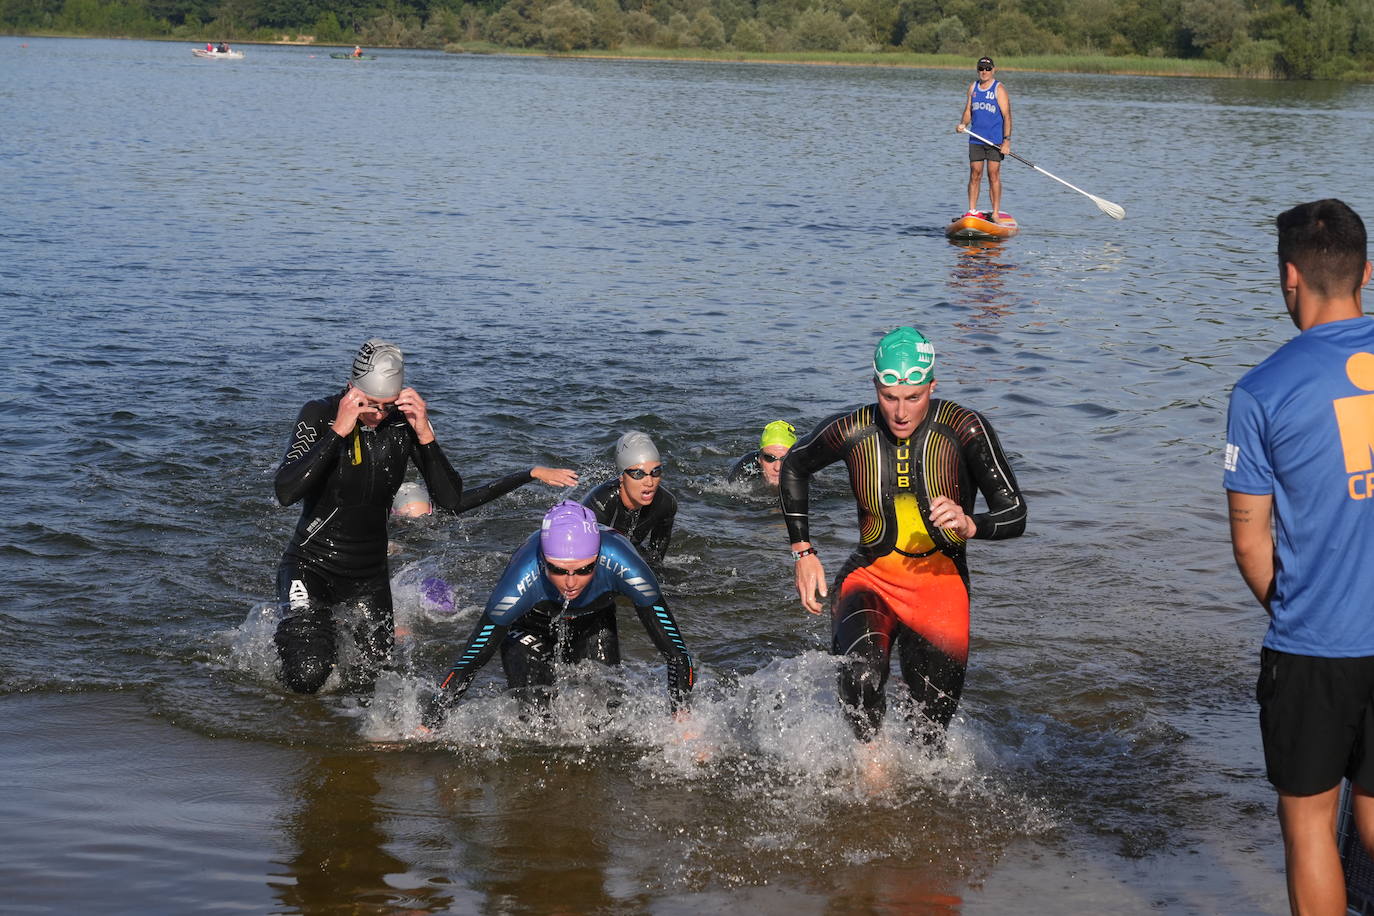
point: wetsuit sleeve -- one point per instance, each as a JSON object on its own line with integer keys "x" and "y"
{"x": 667, "y": 639}
{"x": 746, "y": 468}
{"x": 311, "y": 453}
{"x": 480, "y": 496}
{"x": 823, "y": 446}
{"x": 656, "y": 547}
{"x": 444, "y": 485}
{"x": 1006, "y": 515}
{"x": 481, "y": 646}
{"x": 599, "y": 501}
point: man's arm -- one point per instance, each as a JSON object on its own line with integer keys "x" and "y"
{"x": 1252, "y": 542}
{"x": 967, "y": 116}
{"x": 821, "y": 447}
{"x": 1004, "y": 101}
{"x": 309, "y": 455}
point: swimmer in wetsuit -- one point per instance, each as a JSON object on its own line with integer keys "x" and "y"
{"x": 346, "y": 460}
{"x": 554, "y": 603}
{"x": 914, "y": 463}
{"x": 635, "y": 503}
{"x": 766, "y": 461}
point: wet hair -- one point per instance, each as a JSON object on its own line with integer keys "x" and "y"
{"x": 1326, "y": 241}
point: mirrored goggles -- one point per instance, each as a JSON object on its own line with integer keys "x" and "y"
{"x": 580, "y": 571}
{"x": 640, "y": 473}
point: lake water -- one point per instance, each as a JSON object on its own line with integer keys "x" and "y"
{"x": 191, "y": 249}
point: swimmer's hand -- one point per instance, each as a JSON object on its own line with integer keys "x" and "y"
{"x": 948, "y": 514}
{"x": 810, "y": 576}
{"x": 554, "y": 477}
{"x": 412, "y": 406}
{"x": 435, "y": 712}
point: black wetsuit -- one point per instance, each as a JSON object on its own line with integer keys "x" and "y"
{"x": 907, "y": 580}
{"x": 528, "y": 620}
{"x": 748, "y": 467}
{"x": 653, "y": 522}
{"x": 338, "y": 552}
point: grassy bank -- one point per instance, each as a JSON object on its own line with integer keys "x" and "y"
{"x": 1148, "y": 66}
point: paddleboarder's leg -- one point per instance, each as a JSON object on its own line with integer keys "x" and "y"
{"x": 995, "y": 185}
{"x": 861, "y": 632}
{"x": 975, "y": 178}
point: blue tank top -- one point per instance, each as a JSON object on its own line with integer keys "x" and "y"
{"x": 987, "y": 114}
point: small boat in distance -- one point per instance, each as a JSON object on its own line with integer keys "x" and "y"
{"x": 217, "y": 55}
{"x": 340, "y": 55}
{"x": 982, "y": 227}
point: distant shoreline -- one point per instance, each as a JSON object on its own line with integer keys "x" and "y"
{"x": 1097, "y": 65}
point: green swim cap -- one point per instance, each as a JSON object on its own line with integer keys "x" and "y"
{"x": 779, "y": 432}
{"x": 904, "y": 357}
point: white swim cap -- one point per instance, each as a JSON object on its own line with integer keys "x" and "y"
{"x": 408, "y": 494}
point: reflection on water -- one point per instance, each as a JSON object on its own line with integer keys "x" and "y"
{"x": 978, "y": 278}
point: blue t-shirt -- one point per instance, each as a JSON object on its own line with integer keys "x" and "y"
{"x": 1301, "y": 427}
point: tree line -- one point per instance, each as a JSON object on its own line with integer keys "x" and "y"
{"x": 1295, "y": 39}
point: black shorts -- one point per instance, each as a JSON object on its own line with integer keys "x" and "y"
{"x": 1317, "y": 721}
{"x": 978, "y": 152}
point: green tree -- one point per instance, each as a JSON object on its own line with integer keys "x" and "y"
{"x": 819, "y": 30}
{"x": 749, "y": 35}
{"x": 1216, "y": 26}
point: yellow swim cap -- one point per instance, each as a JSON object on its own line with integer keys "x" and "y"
{"x": 779, "y": 432}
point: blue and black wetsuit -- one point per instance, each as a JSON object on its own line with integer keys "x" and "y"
{"x": 653, "y": 522}
{"x": 528, "y": 620}
{"x": 337, "y": 554}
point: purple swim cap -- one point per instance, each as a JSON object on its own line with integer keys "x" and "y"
{"x": 570, "y": 532}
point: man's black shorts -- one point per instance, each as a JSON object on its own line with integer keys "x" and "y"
{"x": 1317, "y": 721}
{"x": 978, "y": 152}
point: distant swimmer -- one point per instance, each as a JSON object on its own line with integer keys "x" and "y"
{"x": 1299, "y": 474}
{"x": 987, "y": 113}
{"x": 914, "y": 463}
{"x": 554, "y": 603}
{"x": 345, "y": 462}
{"x": 635, "y": 503}
{"x": 766, "y": 461}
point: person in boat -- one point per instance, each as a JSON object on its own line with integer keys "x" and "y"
{"x": 345, "y": 462}
{"x": 223, "y": 48}
{"x": 635, "y": 503}
{"x": 555, "y": 604}
{"x": 914, "y": 462}
{"x": 766, "y": 461}
{"x": 987, "y": 112}
{"x": 357, "y": 51}
{"x": 1297, "y": 473}
{"x": 210, "y": 46}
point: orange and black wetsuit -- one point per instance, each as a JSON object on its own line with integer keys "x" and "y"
{"x": 907, "y": 580}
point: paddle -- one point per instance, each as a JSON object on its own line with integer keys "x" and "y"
{"x": 1115, "y": 211}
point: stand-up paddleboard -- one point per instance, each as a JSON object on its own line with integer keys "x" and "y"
{"x": 982, "y": 227}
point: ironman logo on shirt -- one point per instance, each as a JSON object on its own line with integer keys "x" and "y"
{"x": 1355, "y": 418}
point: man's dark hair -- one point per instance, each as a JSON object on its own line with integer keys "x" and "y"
{"x": 1326, "y": 241}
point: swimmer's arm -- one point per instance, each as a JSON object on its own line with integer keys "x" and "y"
{"x": 310, "y": 454}
{"x": 481, "y": 646}
{"x": 1252, "y": 542}
{"x": 794, "y": 479}
{"x": 746, "y": 467}
{"x": 662, "y": 629}
{"x": 480, "y": 496}
{"x": 662, "y": 533}
{"x": 1006, "y": 515}
{"x": 443, "y": 481}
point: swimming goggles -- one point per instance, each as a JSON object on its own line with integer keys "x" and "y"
{"x": 914, "y": 376}
{"x": 640, "y": 473}
{"x": 580, "y": 571}
{"x": 764, "y": 456}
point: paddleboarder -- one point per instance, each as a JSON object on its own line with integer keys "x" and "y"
{"x": 555, "y": 604}
{"x": 1299, "y": 435}
{"x": 916, "y": 464}
{"x": 987, "y": 112}
{"x": 346, "y": 460}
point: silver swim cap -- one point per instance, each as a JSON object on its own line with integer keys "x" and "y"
{"x": 379, "y": 369}
{"x": 410, "y": 492}
{"x": 635, "y": 448}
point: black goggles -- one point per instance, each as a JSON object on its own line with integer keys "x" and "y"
{"x": 764, "y": 456}
{"x": 580, "y": 571}
{"x": 640, "y": 473}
